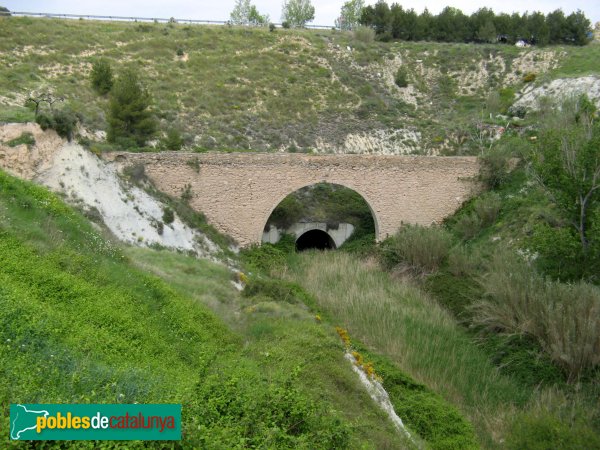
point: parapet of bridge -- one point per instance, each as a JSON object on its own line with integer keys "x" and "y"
{"x": 238, "y": 191}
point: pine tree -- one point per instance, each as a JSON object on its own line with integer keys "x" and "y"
{"x": 102, "y": 77}
{"x": 130, "y": 121}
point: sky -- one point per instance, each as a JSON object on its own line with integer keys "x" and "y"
{"x": 325, "y": 10}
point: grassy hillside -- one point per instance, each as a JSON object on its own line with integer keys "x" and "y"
{"x": 87, "y": 321}
{"x": 237, "y": 88}
{"x": 80, "y": 323}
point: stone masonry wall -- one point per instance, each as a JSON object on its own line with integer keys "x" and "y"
{"x": 238, "y": 191}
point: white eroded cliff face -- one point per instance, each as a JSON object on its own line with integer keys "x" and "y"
{"x": 560, "y": 89}
{"x": 129, "y": 212}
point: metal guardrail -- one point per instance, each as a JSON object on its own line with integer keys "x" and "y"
{"x": 138, "y": 19}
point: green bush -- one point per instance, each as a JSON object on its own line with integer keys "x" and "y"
{"x": 487, "y": 208}
{"x": 289, "y": 211}
{"x": 136, "y": 173}
{"x": 461, "y": 262}
{"x": 386, "y": 36}
{"x": 130, "y": 121}
{"x": 559, "y": 253}
{"x": 187, "y": 194}
{"x": 63, "y": 121}
{"x": 45, "y": 121}
{"x": 173, "y": 140}
{"x": 263, "y": 258}
{"x": 468, "y": 226}
{"x": 423, "y": 249}
{"x": 456, "y": 293}
{"x": 168, "y": 216}
{"x": 529, "y": 77}
{"x": 364, "y": 34}
{"x": 495, "y": 165}
{"x": 401, "y": 78}
{"x": 242, "y": 410}
{"x": 277, "y": 290}
{"x": 102, "y": 76}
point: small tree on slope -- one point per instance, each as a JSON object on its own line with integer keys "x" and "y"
{"x": 130, "y": 121}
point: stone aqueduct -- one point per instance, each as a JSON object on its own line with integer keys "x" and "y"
{"x": 238, "y": 191}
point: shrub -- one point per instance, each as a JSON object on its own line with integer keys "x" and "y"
{"x": 563, "y": 318}
{"x": 495, "y": 166}
{"x": 263, "y": 258}
{"x": 401, "y": 78}
{"x": 168, "y": 216}
{"x": 461, "y": 262}
{"x": 130, "y": 121}
{"x": 518, "y": 111}
{"x": 271, "y": 27}
{"x": 194, "y": 163}
{"x": 559, "y": 249}
{"x": 45, "y": 121}
{"x": 423, "y": 249}
{"x": 529, "y": 77}
{"x": 136, "y": 173}
{"x": 364, "y": 34}
{"x": 180, "y": 51}
{"x": 63, "y": 121}
{"x": 102, "y": 77}
{"x": 289, "y": 211}
{"x": 285, "y": 24}
{"x": 173, "y": 140}
{"x": 468, "y": 226}
{"x": 487, "y": 208}
{"x": 277, "y": 290}
{"x": 186, "y": 194}
{"x": 386, "y": 36}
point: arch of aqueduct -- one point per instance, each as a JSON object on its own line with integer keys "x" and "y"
{"x": 238, "y": 191}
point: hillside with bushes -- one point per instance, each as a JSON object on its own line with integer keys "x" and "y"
{"x": 242, "y": 88}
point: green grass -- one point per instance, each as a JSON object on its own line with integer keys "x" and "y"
{"x": 83, "y": 320}
{"x": 25, "y": 139}
{"x": 243, "y": 89}
{"x": 580, "y": 61}
{"x": 16, "y": 114}
{"x": 400, "y": 322}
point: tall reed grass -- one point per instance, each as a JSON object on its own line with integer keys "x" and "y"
{"x": 563, "y": 318}
{"x": 420, "y": 248}
{"x": 410, "y": 328}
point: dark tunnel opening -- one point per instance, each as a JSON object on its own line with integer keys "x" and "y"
{"x": 315, "y": 239}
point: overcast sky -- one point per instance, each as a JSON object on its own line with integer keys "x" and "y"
{"x": 326, "y": 10}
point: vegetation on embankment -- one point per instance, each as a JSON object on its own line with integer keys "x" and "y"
{"x": 517, "y": 266}
{"x": 423, "y": 410}
{"x": 296, "y": 90}
{"x": 82, "y": 324}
